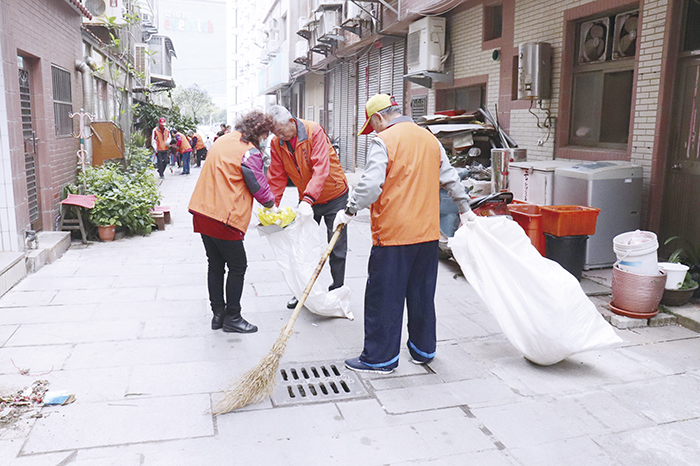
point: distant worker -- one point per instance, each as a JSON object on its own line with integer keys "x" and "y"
{"x": 406, "y": 167}
{"x": 184, "y": 149}
{"x": 222, "y": 205}
{"x": 221, "y": 131}
{"x": 199, "y": 149}
{"x": 302, "y": 151}
{"x": 160, "y": 140}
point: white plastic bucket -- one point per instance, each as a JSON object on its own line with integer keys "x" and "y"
{"x": 636, "y": 252}
{"x": 675, "y": 274}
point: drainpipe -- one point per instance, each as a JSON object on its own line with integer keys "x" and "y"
{"x": 84, "y": 67}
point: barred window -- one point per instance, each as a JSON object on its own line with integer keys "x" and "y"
{"x": 62, "y": 101}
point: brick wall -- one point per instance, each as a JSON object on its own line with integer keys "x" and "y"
{"x": 48, "y": 33}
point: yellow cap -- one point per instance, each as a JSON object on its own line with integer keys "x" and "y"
{"x": 375, "y": 104}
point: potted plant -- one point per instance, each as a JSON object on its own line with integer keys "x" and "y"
{"x": 105, "y": 215}
{"x": 682, "y": 295}
{"x": 689, "y": 255}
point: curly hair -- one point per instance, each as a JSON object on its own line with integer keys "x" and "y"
{"x": 253, "y": 125}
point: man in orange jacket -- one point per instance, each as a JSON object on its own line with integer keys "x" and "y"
{"x": 160, "y": 140}
{"x": 302, "y": 152}
{"x": 406, "y": 167}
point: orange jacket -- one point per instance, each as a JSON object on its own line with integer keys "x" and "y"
{"x": 221, "y": 192}
{"x": 408, "y": 209}
{"x": 200, "y": 142}
{"x": 162, "y": 138}
{"x": 314, "y": 167}
{"x": 184, "y": 145}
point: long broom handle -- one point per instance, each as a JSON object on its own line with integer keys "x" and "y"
{"x": 290, "y": 325}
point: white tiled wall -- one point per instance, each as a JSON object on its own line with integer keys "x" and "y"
{"x": 9, "y": 239}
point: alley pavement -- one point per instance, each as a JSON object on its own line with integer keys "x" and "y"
{"x": 125, "y": 327}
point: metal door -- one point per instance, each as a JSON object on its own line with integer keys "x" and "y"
{"x": 30, "y": 143}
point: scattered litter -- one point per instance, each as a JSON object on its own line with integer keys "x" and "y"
{"x": 315, "y": 325}
{"x": 26, "y": 371}
{"x": 282, "y": 217}
{"x": 14, "y": 405}
{"x": 58, "y": 398}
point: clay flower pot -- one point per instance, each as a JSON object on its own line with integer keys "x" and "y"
{"x": 677, "y": 297}
{"x": 107, "y": 233}
{"x": 636, "y": 295}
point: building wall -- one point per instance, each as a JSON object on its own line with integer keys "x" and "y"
{"x": 56, "y": 42}
{"x": 313, "y": 96}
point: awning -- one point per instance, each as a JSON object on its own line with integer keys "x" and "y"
{"x": 79, "y": 7}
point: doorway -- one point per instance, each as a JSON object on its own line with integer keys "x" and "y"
{"x": 30, "y": 142}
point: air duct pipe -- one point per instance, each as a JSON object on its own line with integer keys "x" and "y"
{"x": 85, "y": 67}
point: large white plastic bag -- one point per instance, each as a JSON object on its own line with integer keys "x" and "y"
{"x": 299, "y": 248}
{"x": 540, "y": 307}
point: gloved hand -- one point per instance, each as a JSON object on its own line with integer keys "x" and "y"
{"x": 274, "y": 209}
{"x": 341, "y": 217}
{"x": 468, "y": 216}
{"x": 304, "y": 210}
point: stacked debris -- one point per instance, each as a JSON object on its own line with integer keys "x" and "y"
{"x": 14, "y": 405}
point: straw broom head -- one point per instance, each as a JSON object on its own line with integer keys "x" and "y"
{"x": 256, "y": 384}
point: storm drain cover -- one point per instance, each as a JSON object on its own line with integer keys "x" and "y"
{"x": 316, "y": 382}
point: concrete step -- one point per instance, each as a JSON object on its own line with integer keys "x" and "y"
{"x": 12, "y": 270}
{"x": 51, "y": 246}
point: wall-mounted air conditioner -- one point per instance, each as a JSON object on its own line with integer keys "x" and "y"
{"x": 426, "y": 45}
{"x": 593, "y": 41}
{"x": 301, "y": 49}
{"x": 103, "y": 10}
{"x": 142, "y": 62}
{"x": 352, "y": 12}
{"x": 625, "y": 38}
{"x": 328, "y": 25}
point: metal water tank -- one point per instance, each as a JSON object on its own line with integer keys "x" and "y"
{"x": 534, "y": 71}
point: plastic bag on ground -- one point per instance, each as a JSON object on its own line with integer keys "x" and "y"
{"x": 298, "y": 248}
{"x": 540, "y": 307}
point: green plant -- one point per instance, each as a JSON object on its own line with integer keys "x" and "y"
{"x": 686, "y": 254}
{"x": 688, "y": 282}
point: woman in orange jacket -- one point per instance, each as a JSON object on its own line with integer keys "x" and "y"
{"x": 222, "y": 205}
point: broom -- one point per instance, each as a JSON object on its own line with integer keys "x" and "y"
{"x": 259, "y": 382}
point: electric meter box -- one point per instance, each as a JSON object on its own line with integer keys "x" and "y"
{"x": 534, "y": 71}
{"x": 426, "y": 44}
{"x": 533, "y": 181}
{"x": 614, "y": 187}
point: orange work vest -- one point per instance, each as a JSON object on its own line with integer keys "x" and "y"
{"x": 336, "y": 184}
{"x": 184, "y": 144}
{"x": 221, "y": 192}
{"x": 200, "y": 141}
{"x": 408, "y": 209}
{"x": 162, "y": 138}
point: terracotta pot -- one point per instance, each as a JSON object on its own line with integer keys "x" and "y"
{"x": 677, "y": 297}
{"x": 107, "y": 233}
{"x": 636, "y": 293}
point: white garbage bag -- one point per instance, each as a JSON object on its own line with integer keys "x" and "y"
{"x": 298, "y": 248}
{"x": 540, "y": 307}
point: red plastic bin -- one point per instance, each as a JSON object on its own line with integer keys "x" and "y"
{"x": 569, "y": 220}
{"x": 529, "y": 217}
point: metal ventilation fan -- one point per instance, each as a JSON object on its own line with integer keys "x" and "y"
{"x": 625, "y": 44}
{"x": 96, "y": 7}
{"x": 594, "y": 41}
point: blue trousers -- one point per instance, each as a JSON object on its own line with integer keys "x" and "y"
{"x": 186, "y": 162}
{"x": 400, "y": 275}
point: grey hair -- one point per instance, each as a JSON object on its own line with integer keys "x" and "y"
{"x": 279, "y": 114}
{"x": 390, "y": 110}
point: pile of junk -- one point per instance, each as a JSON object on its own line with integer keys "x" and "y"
{"x": 481, "y": 151}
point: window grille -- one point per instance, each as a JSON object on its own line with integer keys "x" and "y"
{"x": 62, "y": 101}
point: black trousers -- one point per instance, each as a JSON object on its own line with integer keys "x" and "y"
{"x": 201, "y": 155}
{"x": 162, "y": 159}
{"x": 220, "y": 253}
{"x": 339, "y": 253}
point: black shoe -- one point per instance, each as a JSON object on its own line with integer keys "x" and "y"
{"x": 292, "y": 303}
{"x": 238, "y": 325}
{"x": 217, "y": 321}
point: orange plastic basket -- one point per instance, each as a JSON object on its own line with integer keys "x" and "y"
{"x": 568, "y": 220}
{"x": 528, "y": 216}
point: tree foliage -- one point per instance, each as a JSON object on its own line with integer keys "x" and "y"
{"x": 146, "y": 118}
{"x": 194, "y": 101}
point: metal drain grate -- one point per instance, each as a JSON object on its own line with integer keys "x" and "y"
{"x": 316, "y": 382}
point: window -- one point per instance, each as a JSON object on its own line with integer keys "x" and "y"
{"x": 62, "y": 101}
{"x": 464, "y": 98}
{"x": 603, "y": 81}
{"x": 691, "y": 40}
{"x": 419, "y": 106}
{"x": 493, "y": 22}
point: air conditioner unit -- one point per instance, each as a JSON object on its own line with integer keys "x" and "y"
{"x": 625, "y": 38}
{"x": 326, "y": 4}
{"x": 103, "y": 10}
{"x": 352, "y": 11}
{"x": 328, "y": 24}
{"x": 593, "y": 41}
{"x": 301, "y": 49}
{"x": 426, "y": 45}
{"x": 142, "y": 62}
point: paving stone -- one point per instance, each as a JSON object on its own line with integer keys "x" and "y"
{"x": 668, "y": 357}
{"x": 453, "y": 436}
{"x": 581, "y": 451}
{"x": 672, "y": 444}
{"x": 86, "y": 425}
{"x": 27, "y": 298}
{"x": 362, "y": 413}
{"x": 484, "y": 458}
{"x": 651, "y": 397}
{"x": 627, "y": 322}
{"x": 57, "y": 333}
{"x": 6, "y": 331}
{"x": 45, "y": 314}
{"x": 662, "y": 319}
{"x": 33, "y": 283}
{"x": 114, "y": 295}
{"x": 36, "y": 360}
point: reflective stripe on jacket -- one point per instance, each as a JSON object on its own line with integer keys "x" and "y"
{"x": 314, "y": 167}
{"x": 408, "y": 209}
{"x": 162, "y": 139}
